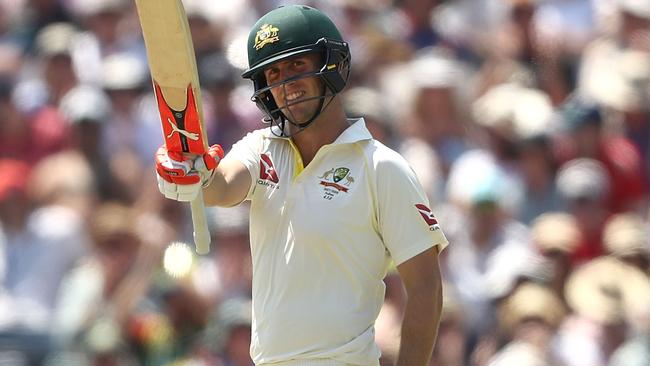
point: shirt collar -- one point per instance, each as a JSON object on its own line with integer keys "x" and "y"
{"x": 357, "y": 131}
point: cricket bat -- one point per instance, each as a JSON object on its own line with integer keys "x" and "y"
{"x": 175, "y": 80}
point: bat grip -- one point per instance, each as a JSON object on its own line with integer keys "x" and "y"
{"x": 201, "y": 233}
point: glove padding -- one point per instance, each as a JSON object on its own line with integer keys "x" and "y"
{"x": 181, "y": 178}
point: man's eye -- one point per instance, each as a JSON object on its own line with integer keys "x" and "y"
{"x": 271, "y": 74}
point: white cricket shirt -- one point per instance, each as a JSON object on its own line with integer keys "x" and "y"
{"x": 322, "y": 238}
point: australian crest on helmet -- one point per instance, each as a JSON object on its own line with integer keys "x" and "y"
{"x": 266, "y": 35}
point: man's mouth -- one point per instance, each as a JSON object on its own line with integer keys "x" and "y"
{"x": 294, "y": 96}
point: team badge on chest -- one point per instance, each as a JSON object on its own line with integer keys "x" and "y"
{"x": 335, "y": 181}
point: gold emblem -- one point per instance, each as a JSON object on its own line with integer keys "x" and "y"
{"x": 266, "y": 35}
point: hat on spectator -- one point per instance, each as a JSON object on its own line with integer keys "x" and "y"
{"x": 196, "y": 8}
{"x": 555, "y": 231}
{"x": 608, "y": 291}
{"x": 64, "y": 177}
{"x": 122, "y": 71}
{"x": 583, "y": 178}
{"x": 531, "y": 301}
{"x": 366, "y": 102}
{"x": 55, "y": 39}
{"x": 216, "y": 70}
{"x": 639, "y": 8}
{"x": 619, "y": 79}
{"x": 626, "y": 234}
{"x": 435, "y": 70}
{"x": 507, "y": 266}
{"x": 85, "y": 103}
{"x": 229, "y": 220}
{"x": 93, "y": 7}
{"x": 232, "y": 313}
{"x": 476, "y": 178}
{"x": 366, "y": 5}
{"x": 235, "y": 312}
{"x": 515, "y": 111}
{"x": 15, "y": 175}
{"x": 518, "y": 354}
{"x": 111, "y": 221}
{"x": 522, "y": 2}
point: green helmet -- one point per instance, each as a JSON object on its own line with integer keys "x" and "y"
{"x": 290, "y": 31}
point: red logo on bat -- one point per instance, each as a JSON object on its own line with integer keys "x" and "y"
{"x": 182, "y": 129}
{"x": 267, "y": 170}
{"x": 426, "y": 214}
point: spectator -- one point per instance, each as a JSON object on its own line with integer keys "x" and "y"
{"x": 228, "y": 271}
{"x": 101, "y": 293}
{"x": 529, "y": 318}
{"x": 604, "y": 295}
{"x": 218, "y": 78}
{"x": 556, "y": 236}
{"x": 45, "y": 235}
{"x": 514, "y": 123}
{"x": 451, "y": 348}
{"x": 132, "y": 128}
{"x": 229, "y": 332}
{"x": 489, "y": 245}
{"x": 626, "y": 237}
{"x": 367, "y": 102}
{"x": 584, "y": 185}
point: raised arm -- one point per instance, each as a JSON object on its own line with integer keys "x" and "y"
{"x": 229, "y": 186}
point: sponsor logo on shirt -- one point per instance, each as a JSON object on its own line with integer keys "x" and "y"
{"x": 268, "y": 174}
{"x": 427, "y": 215}
{"x": 336, "y": 180}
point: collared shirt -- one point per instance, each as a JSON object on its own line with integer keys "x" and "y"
{"x": 322, "y": 238}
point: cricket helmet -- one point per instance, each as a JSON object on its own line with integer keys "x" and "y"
{"x": 290, "y": 31}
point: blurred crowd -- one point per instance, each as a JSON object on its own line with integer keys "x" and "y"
{"x": 527, "y": 122}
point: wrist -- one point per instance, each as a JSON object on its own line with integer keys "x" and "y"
{"x": 208, "y": 180}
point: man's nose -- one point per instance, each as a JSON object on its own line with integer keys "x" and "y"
{"x": 286, "y": 73}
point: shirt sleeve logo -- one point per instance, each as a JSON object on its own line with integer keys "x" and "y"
{"x": 426, "y": 214}
{"x": 267, "y": 170}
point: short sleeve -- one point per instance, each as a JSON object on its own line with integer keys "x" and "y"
{"x": 406, "y": 223}
{"x": 247, "y": 151}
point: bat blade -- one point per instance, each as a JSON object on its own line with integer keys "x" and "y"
{"x": 173, "y": 69}
{"x": 172, "y": 63}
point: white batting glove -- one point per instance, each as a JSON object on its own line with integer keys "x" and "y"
{"x": 180, "y": 178}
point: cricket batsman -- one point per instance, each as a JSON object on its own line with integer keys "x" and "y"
{"x": 331, "y": 207}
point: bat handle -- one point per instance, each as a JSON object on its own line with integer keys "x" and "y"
{"x": 201, "y": 233}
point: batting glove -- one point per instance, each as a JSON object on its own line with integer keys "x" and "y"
{"x": 181, "y": 178}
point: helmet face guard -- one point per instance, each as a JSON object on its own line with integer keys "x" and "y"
{"x": 334, "y": 73}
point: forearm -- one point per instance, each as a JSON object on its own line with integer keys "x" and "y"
{"x": 420, "y": 328}
{"x": 229, "y": 185}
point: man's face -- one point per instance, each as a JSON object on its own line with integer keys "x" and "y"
{"x": 293, "y": 97}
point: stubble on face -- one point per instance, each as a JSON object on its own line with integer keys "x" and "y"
{"x": 297, "y": 99}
